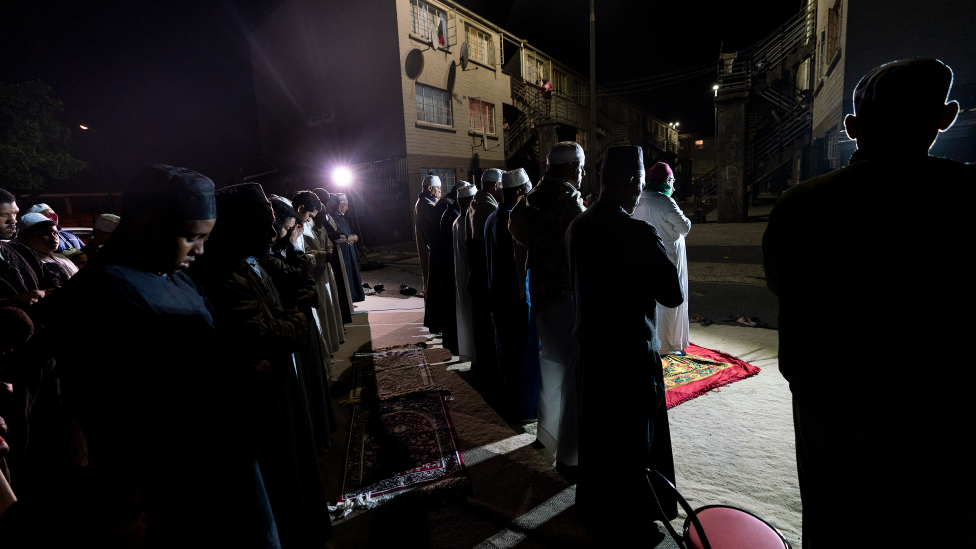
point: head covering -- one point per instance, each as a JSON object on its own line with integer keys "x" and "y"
{"x": 660, "y": 170}
{"x": 38, "y": 208}
{"x": 660, "y": 179}
{"x": 467, "y": 191}
{"x": 32, "y": 219}
{"x": 565, "y": 152}
{"x": 340, "y": 196}
{"x": 431, "y": 181}
{"x": 624, "y": 158}
{"x": 492, "y": 175}
{"x": 515, "y": 178}
{"x": 107, "y": 222}
{"x": 167, "y": 191}
{"x": 240, "y": 206}
{"x": 906, "y": 87}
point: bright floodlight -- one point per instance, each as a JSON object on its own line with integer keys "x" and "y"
{"x": 715, "y": 87}
{"x": 342, "y": 176}
{"x": 83, "y": 127}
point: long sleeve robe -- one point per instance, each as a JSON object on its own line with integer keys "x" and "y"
{"x": 434, "y": 301}
{"x": 620, "y": 376}
{"x": 317, "y": 242}
{"x": 516, "y": 334}
{"x": 485, "y": 364}
{"x": 350, "y": 259}
{"x": 424, "y": 223}
{"x": 462, "y": 298}
{"x": 339, "y": 270}
{"x": 663, "y": 212}
{"x": 448, "y": 304}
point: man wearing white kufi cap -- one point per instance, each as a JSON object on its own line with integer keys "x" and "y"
{"x": 441, "y": 286}
{"x": 516, "y": 335}
{"x": 539, "y": 222}
{"x": 619, "y": 355}
{"x": 425, "y": 222}
{"x": 462, "y": 298}
{"x": 484, "y": 203}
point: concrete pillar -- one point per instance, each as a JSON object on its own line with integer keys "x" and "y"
{"x": 730, "y": 132}
{"x": 548, "y": 136}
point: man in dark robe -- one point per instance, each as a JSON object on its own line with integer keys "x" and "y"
{"x": 620, "y": 360}
{"x": 348, "y": 248}
{"x": 424, "y": 222}
{"x": 156, "y": 399}
{"x": 867, "y": 421}
{"x": 516, "y": 335}
{"x": 482, "y": 205}
{"x": 448, "y": 279}
{"x": 253, "y": 326}
{"x": 434, "y": 303}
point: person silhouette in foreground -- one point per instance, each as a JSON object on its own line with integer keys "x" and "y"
{"x": 869, "y": 429}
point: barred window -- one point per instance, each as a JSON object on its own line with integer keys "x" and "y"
{"x": 482, "y": 113}
{"x": 428, "y": 21}
{"x": 446, "y": 176}
{"x": 559, "y": 81}
{"x": 481, "y": 46}
{"x": 434, "y": 105}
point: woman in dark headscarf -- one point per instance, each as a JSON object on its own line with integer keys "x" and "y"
{"x": 338, "y": 205}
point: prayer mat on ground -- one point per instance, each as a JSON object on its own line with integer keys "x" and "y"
{"x": 389, "y": 373}
{"x": 401, "y": 445}
{"x": 688, "y": 377}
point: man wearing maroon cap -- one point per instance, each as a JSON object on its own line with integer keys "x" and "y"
{"x": 659, "y": 209}
{"x": 870, "y": 429}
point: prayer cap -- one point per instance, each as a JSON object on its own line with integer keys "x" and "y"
{"x": 431, "y": 181}
{"x": 38, "y": 208}
{"x": 240, "y": 206}
{"x": 33, "y": 219}
{"x": 340, "y": 196}
{"x": 909, "y": 86}
{"x": 170, "y": 192}
{"x": 467, "y": 191}
{"x": 624, "y": 158}
{"x": 565, "y": 152}
{"x": 107, "y": 222}
{"x": 659, "y": 171}
{"x": 492, "y": 175}
{"x": 515, "y": 178}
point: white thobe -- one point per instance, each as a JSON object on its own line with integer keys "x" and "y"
{"x": 465, "y": 309}
{"x": 663, "y": 212}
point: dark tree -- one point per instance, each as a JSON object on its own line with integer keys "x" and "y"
{"x": 33, "y": 140}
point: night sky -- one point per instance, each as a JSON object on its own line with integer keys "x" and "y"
{"x": 171, "y": 81}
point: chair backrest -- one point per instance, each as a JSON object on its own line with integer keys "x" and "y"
{"x": 730, "y": 527}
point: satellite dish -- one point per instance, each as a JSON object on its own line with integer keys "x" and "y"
{"x": 451, "y": 77}
{"x": 414, "y": 64}
{"x": 464, "y": 56}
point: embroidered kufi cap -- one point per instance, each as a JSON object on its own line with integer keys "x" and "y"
{"x": 107, "y": 222}
{"x": 515, "y": 178}
{"x": 32, "y": 219}
{"x": 467, "y": 191}
{"x": 38, "y": 208}
{"x": 431, "y": 181}
{"x": 565, "y": 152}
{"x": 492, "y": 175}
{"x": 170, "y": 192}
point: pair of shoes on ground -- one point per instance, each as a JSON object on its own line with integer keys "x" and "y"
{"x": 407, "y": 290}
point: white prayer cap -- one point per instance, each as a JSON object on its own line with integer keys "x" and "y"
{"x": 33, "y": 218}
{"x": 565, "y": 152}
{"x": 38, "y": 208}
{"x": 340, "y": 196}
{"x": 106, "y": 222}
{"x": 492, "y": 175}
{"x": 515, "y": 178}
{"x": 431, "y": 181}
{"x": 467, "y": 191}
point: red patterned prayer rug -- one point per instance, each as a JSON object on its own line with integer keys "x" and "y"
{"x": 688, "y": 377}
{"x": 400, "y": 445}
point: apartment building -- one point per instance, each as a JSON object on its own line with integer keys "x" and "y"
{"x": 380, "y": 86}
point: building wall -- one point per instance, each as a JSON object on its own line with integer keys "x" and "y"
{"x": 326, "y": 79}
{"x": 828, "y": 96}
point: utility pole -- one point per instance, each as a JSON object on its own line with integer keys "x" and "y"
{"x": 593, "y": 182}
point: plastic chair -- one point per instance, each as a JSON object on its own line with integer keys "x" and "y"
{"x": 728, "y": 527}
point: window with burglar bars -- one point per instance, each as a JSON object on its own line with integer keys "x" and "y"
{"x": 446, "y": 176}
{"x": 482, "y": 113}
{"x": 559, "y": 81}
{"x": 428, "y": 21}
{"x": 434, "y": 105}
{"x": 581, "y": 93}
{"x": 537, "y": 69}
{"x": 481, "y": 46}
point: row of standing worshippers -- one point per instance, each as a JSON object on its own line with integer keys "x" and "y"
{"x": 196, "y": 410}
{"x": 516, "y": 280}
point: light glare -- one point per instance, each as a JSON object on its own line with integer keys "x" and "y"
{"x": 83, "y": 127}
{"x": 342, "y": 176}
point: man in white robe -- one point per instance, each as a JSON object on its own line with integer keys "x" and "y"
{"x": 659, "y": 209}
{"x": 462, "y": 297}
